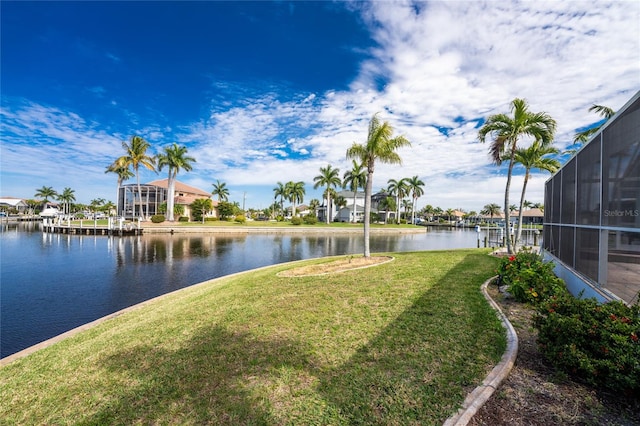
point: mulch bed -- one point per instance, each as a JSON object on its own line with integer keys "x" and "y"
{"x": 535, "y": 393}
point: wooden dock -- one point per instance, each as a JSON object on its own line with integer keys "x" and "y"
{"x": 117, "y": 228}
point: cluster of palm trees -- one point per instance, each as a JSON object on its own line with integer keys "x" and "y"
{"x": 174, "y": 157}
{"x": 507, "y": 131}
{"x": 291, "y": 191}
{"x": 67, "y": 198}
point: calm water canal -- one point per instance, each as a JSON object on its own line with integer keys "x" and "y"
{"x": 51, "y": 283}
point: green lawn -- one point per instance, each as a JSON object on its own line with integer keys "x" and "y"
{"x": 400, "y": 343}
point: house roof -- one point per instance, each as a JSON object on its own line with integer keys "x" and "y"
{"x": 533, "y": 213}
{"x": 12, "y": 201}
{"x": 180, "y": 187}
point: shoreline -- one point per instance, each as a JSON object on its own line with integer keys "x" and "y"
{"x": 243, "y": 229}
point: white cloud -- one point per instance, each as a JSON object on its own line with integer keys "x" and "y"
{"x": 446, "y": 66}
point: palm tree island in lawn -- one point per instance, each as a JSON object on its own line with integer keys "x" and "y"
{"x": 381, "y": 146}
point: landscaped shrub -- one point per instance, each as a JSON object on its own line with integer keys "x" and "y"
{"x": 240, "y": 218}
{"x": 183, "y": 219}
{"x": 310, "y": 219}
{"x": 157, "y": 218}
{"x": 529, "y": 279}
{"x": 296, "y": 220}
{"x": 211, "y": 219}
{"x": 597, "y": 343}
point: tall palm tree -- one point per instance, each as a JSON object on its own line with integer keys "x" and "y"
{"x": 66, "y": 197}
{"x": 175, "y": 158}
{"x": 45, "y": 192}
{"x": 415, "y": 190}
{"x": 381, "y": 146}
{"x": 328, "y": 177}
{"x": 280, "y": 191}
{"x": 136, "y": 156}
{"x": 507, "y": 131}
{"x": 605, "y": 112}
{"x": 354, "y": 179}
{"x": 533, "y": 157}
{"x": 123, "y": 172}
{"x": 399, "y": 189}
{"x": 220, "y": 189}
{"x": 295, "y": 193}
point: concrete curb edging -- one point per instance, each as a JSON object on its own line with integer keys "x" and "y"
{"x": 481, "y": 394}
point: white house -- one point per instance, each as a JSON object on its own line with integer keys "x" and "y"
{"x": 346, "y": 213}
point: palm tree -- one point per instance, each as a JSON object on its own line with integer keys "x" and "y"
{"x": 200, "y": 207}
{"x": 605, "y": 112}
{"x": 428, "y": 211}
{"x": 398, "y": 188}
{"x": 328, "y": 177}
{"x": 220, "y": 189}
{"x": 415, "y": 190}
{"x": 175, "y": 158}
{"x": 533, "y": 157}
{"x": 388, "y": 204}
{"x": 508, "y": 130}
{"x": 45, "y": 192}
{"x": 280, "y": 191}
{"x": 123, "y": 172}
{"x": 295, "y": 193}
{"x": 527, "y": 204}
{"x": 66, "y": 197}
{"x": 449, "y": 213}
{"x": 354, "y": 179}
{"x": 406, "y": 205}
{"x": 491, "y": 209}
{"x": 313, "y": 205}
{"x": 136, "y": 156}
{"x": 381, "y": 146}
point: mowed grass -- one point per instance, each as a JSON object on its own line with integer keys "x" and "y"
{"x": 400, "y": 343}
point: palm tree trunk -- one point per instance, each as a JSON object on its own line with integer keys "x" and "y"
{"x": 510, "y": 248}
{"x": 413, "y": 211}
{"x": 170, "y": 195}
{"x": 328, "y": 206}
{"x": 519, "y": 228}
{"x": 141, "y": 214}
{"x": 354, "y": 206}
{"x": 367, "y": 212}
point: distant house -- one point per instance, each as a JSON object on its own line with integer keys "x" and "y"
{"x": 346, "y": 213}
{"x": 154, "y": 194}
{"x": 12, "y": 204}
{"x": 532, "y": 217}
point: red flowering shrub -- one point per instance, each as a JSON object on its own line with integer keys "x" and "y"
{"x": 596, "y": 343}
{"x": 528, "y": 278}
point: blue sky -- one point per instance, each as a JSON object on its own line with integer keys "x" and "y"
{"x": 262, "y": 92}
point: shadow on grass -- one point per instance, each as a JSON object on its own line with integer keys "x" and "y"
{"x": 206, "y": 380}
{"x": 402, "y": 376}
{"x": 420, "y": 368}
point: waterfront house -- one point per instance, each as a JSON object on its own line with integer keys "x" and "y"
{"x": 154, "y": 194}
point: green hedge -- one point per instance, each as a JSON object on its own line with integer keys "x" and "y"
{"x": 157, "y": 218}
{"x": 597, "y": 343}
